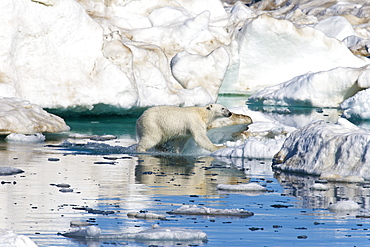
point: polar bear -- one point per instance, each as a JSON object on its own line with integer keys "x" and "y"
{"x": 161, "y": 124}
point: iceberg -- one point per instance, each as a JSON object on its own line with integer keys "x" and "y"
{"x": 22, "y": 117}
{"x": 321, "y": 148}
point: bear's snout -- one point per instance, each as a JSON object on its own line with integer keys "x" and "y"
{"x": 228, "y": 113}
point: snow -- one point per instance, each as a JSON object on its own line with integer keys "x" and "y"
{"x": 195, "y": 210}
{"x": 22, "y": 117}
{"x": 10, "y": 239}
{"x": 322, "y": 148}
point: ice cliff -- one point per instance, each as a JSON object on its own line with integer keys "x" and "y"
{"x": 84, "y": 55}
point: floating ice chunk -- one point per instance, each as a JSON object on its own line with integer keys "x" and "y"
{"x": 149, "y": 216}
{"x": 83, "y": 232}
{"x": 9, "y": 171}
{"x": 241, "y": 187}
{"x": 34, "y": 138}
{"x": 195, "y": 210}
{"x": 170, "y": 234}
{"x": 251, "y": 147}
{"x": 20, "y": 116}
{"x": 10, "y": 239}
{"x": 320, "y": 148}
{"x": 343, "y": 206}
{"x": 319, "y": 186}
{"x": 358, "y": 106}
{"x": 155, "y": 234}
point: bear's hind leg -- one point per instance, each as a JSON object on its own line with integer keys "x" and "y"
{"x": 147, "y": 142}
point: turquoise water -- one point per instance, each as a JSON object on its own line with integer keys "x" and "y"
{"x": 288, "y": 214}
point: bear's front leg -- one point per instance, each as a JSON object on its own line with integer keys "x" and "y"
{"x": 201, "y": 138}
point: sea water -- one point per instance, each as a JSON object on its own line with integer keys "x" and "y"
{"x": 59, "y": 185}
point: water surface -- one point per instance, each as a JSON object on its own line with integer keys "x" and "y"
{"x": 288, "y": 214}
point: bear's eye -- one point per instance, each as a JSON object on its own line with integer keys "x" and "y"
{"x": 222, "y": 108}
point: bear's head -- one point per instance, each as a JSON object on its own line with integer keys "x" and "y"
{"x": 218, "y": 110}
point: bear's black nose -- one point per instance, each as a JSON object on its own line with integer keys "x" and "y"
{"x": 229, "y": 114}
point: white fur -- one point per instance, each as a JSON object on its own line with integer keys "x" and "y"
{"x": 160, "y": 124}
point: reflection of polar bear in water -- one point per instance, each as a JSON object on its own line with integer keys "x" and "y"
{"x": 160, "y": 124}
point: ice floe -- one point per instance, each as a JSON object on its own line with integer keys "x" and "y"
{"x": 4, "y": 171}
{"x": 262, "y": 139}
{"x": 23, "y": 117}
{"x": 241, "y": 187}
{"x": 35, "y": 138}
{"x": 322, "y": 148}
{"x": 154, "y": 234}
{"x": 145, "y": 215}
{"x": 343, "y": 206}
{"x": 195, "y": 210}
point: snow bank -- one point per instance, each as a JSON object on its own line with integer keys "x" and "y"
{"x": 19, "y": 116}
{"x": 319, "y": 148}
{"x": 195, "y": 210}
{"x": 10, "y": 239}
